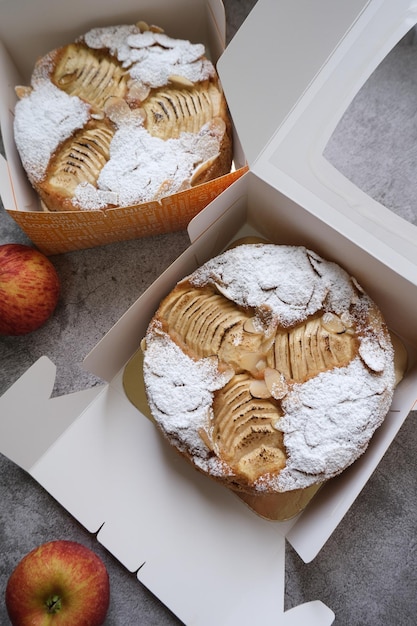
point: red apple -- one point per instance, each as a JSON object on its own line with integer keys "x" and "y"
{"x": 59, "y": 583}
{"x": 29, "y": 289}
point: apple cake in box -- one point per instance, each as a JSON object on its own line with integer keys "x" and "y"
{"x": 124, "y": 115}
{"x": 269, "y": 369}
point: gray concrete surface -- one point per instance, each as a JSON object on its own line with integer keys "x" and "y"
{"x": 367, "y": 571}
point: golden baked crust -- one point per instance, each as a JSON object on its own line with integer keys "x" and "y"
{"x": 269, "y": 369}
{"x": 123, "y": 115}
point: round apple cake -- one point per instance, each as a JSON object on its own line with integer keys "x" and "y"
{"x": 269, "y": 368}
{"x": 124, "y": 115}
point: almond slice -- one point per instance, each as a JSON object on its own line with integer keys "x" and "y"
{"x": 372, "y": 355}
{"x": 156, "y": 29}
{"x": 250, "y": 361}
{"x": 117, "y": 109}
{"x": 143, "y": 26}
{"x": 333, "y": 323}
{"x": 261, "y": 365}
{"x": 22, "y": 91}
{"x": 356, "y": 284}
{"x": 137, "y": 91}
{"x": 97, "y": 115}
{"x": 252, "y": 326}
{"x": 200, "y": 169}
{"x": 258, "y": 389}
{"x": 205, "y": 438}
{"x": 275, "y": 383}
{"x": 347, "y": 319}
{"x": 180, "y": 81}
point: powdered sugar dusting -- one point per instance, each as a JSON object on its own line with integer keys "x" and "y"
{"x": 373, "y": 354}
{"x": 142, "y": 167}
{"x": 42, "y": 120}
{"x": 113, "y": 38}
{"x": 328, "y": 420}
{"x": 287, "y": 279}
{"x": 152, "y": 58}
{"x": 180, "y": 391}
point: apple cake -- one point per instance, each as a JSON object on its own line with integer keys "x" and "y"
{"x": 269, "y": 368}
{"x": 124, "y": 115}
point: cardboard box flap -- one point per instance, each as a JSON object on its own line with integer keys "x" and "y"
{"x": 333, "y": 502}
{"x": 294, "y": 107}
{"x": 6, "y": 193}
{"x": 30, "y": 421}
{"x": 91, "y": 467}
{"x": 298, "y": 152}
{"x": 273, "y": 59}
{"x": 21, "y": 194}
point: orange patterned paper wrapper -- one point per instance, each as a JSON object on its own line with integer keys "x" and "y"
{"x": 58, "y": 232}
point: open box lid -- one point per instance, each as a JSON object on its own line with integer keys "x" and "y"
{"x": 301, "y": 64}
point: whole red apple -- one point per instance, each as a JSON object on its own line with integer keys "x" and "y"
{"x": 29, "y": 289}
{"x": 59, "y": 583}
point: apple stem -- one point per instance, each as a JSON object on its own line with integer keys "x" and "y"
{"x": 53, "y": 604}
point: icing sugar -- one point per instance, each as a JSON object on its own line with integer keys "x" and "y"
{"x": 42, "y": 121}
{"x": 140, "y": 166}
{"x": 184, "y": 407}
{"x": 152, "y": 58}
{"x": 328, "y": 420}
{"x": 114, "y": 38}
{"x": 292, "y": 281}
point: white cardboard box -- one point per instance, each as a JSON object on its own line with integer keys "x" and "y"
{"x": 104, "y": 447}
{"x": 314, "y": 58}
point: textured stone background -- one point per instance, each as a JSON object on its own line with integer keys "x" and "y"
{"x": 367, "y": 571}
